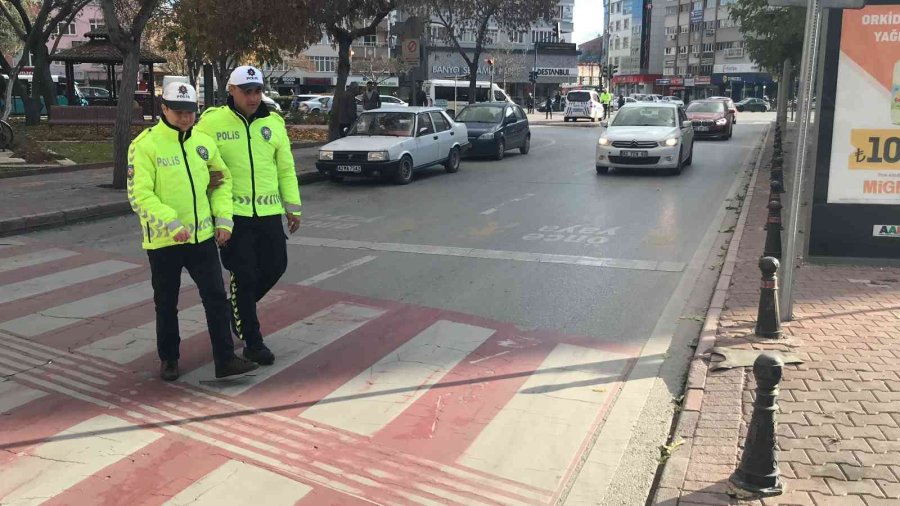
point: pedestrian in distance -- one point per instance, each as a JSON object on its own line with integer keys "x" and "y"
{"x": 530, "y": 103}
{"x": 169, "y": 167}
{"x": 257, "y": 150}
{"x": 421, "y": 96}
{"x": 621, "y": 101}
{"x": 549, "y": 105}
{"x": 348, "y": 112}
{"x": 371, "y": 99}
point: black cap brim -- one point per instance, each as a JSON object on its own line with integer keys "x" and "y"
{"x": 249, "y": 86}
{"x": 181, "y": 106}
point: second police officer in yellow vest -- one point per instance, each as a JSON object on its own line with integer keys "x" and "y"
{"x": 255, "y": 146}
{"x": 169, "y": 167}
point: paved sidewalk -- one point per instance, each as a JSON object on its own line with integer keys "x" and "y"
{"x": 52, "y": 200}
{"x": 839, "y": 420}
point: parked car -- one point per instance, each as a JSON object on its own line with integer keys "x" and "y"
{"x": 628, "y": 100}
{"x": 273, "y": 105}
{"x": 495, "y": 127}
{"x": 710, "y": 118}
{"x": 752, "y": 105}
{"x": 583, "y": 104}
{"x": 93, "y": 92}
{"x": 646, "y": 135}
{"x": 392, "y": 143}
{"x": 673, "y": 100}
{"x": 730, "y": 105}
{"x": 319, "y": 104}
{"x": 392, "y": 100}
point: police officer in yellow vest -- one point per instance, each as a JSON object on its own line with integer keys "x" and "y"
{"x": 606, "y": 100}
{"x": 168, "y": 172}
{"x": 255, "y": 146}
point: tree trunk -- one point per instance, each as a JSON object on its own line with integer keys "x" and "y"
{"x": 220, "y": 68}
{"x": 43, "y": 80}
{"x": 343, "y": 70}
{"x": 473, "y": 77}
{"x": 13, "y": 87}
{"x": 122, "y": 129}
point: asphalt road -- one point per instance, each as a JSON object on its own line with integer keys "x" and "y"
{"x": 539, "y": 241}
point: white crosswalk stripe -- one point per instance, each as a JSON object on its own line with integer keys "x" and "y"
{"x": 64, "y": 279}
{"x": 34, "y": 258}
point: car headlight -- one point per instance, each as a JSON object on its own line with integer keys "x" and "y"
{"x": 326, "y": 155}
{"x": 378, "y": 156}
{"x": 486, "y": 136}
{"x": 722, "y": 121}
{"x": 672, "y": 142}
{"x": 603, "y": 141}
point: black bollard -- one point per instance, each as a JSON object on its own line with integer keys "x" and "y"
{"x": 773, "y": 230}
{"x": 776, "y": 188}
{"x": 768, "y": 319}
{"x": 758, "y": 472}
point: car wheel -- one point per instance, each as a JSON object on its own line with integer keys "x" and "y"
{"x": 602, "y": 170}
{"x": 501, "y": 150}
{"x": 404, "y": 172}
{"x": 690, "y": 158}
{"x": 730, "y": 132}
{"x": 452, "y": 163}
{"x": 678, "y": 168}
{"x": 527, "y": 146}
{"x": 734, "y": 120}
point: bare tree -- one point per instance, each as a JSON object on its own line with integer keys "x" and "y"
{"x": 125, "y": 20}
{"x": 379, "y": 69}
{"x": 34, "y": 22}
{"x": 472, "y": 18}
{"x": 509, "y": 62}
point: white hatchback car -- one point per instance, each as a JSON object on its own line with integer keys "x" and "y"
{"x": 392, "y": 142}
{"x": 646, "y": 135}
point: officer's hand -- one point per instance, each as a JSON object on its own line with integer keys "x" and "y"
{"x": 293, "y": 222}
{"x": 222, "y": 236}
{"x": 215, "y": 179}
{"x": 183, "y": 235}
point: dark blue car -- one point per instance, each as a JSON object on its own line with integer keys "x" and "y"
{"x": 494, "y": 128}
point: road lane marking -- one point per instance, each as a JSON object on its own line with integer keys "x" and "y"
{"x": 34, "y": 258}
{"x": 404, "y": 375}
{"x": 291, "y": 345}
{"x": 336, "y": 271}
{"x": 517, "y": 199}
{"x": 614, "y": 263}
{"x": 63, "y": 279}
{"x": 236, "y": 483}
{"x": 71, "y": 456}
{"x": 534, "y": 437}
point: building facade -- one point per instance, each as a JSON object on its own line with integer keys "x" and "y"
{"x": 634, "y": 44}
{"x": 590, "y": 61}
{"x": 704, "y": 54}
{"x": 71, "y": 35}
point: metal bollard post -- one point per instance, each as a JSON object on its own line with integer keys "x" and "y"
{"x": 768, "y": 319}
{"x": 758, "y": 472}
{"x": 773, "y": 230}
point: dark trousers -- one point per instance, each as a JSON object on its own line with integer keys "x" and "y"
{"x": 256, "y": 255}
{"x": 549, "y": 113}
{"x": 202, "y": 263}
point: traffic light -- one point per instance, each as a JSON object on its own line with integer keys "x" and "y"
{"x": 556, "y": 30}
{"x": 613, "y": 69}
{"x": 532, "y": 76}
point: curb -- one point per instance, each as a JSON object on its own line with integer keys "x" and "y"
{"x": 53, "y": 219}
{"x": 34, "y": 171}
{"x": 697, "y": 369}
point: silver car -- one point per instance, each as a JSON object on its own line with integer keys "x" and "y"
{"x": 646, "y": 135}
{"x": 392, "y": 142}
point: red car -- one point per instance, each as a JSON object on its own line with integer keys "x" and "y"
{"x": 711, "y": 119}
{"x": 731, "y": 106}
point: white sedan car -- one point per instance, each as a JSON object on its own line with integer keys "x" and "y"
{"x": 394, "y": 142}
{"x": 647, "y": 135}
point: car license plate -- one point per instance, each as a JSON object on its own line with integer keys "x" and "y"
{"x": 633, "y": 154}
{"x": 349, "y": 168}
{"x": 702, "y": 129}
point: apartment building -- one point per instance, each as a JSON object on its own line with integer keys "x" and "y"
{"x": 635, "y": 44}
{"x": 704, "y": 53}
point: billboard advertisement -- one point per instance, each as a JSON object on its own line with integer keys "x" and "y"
{"x": 865, "y": 149}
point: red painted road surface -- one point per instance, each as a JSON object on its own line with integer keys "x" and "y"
{"x": 369, "y": 401}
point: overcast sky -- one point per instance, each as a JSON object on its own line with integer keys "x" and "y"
{"x": 588, "y": 20}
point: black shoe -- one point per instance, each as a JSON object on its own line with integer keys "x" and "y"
{"x": 168, "y": 370}
{"x": 259, "y": 354}
{"x": 234, "y": 366}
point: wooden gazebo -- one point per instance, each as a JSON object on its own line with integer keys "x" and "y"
{"x": 98, "y": 49}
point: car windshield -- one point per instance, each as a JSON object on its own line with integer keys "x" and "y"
{"x": 706, "y": 107}
{"x": 645, "y": 116}
{"x": 480, "y": 114}
{"x": 384, "y": 123}
{"x": 578, "y": 96}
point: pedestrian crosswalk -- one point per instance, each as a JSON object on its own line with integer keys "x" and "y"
{"x": 369, "y": 401}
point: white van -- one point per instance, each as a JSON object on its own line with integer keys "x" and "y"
{"x": 583, "y": 104}
{"x": 454, "y": 95}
